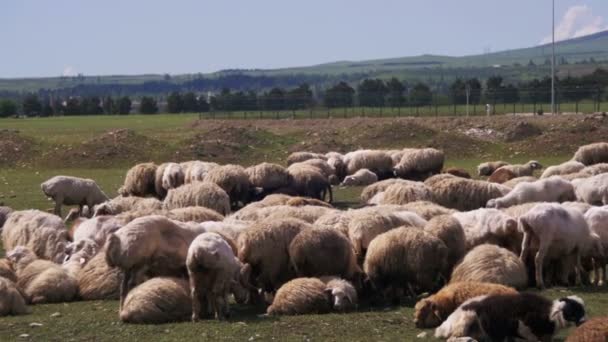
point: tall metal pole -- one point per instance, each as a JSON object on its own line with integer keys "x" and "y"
{"x": 553, "y": 61}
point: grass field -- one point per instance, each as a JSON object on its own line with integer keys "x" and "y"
{"x": 85, "y": 321}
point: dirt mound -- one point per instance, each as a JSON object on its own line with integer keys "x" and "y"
{"x": 522, "y": 130}
{"x": 13, "y": 147}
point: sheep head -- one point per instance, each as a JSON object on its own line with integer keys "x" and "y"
{"x": 427, "y": 314}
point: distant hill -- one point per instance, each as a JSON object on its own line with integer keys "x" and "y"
{"x": 511, "y": 64}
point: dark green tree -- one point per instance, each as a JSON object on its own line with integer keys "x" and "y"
{"x": 494, "y": 88}
{"x": 190, "y": 103}
{"x": 124, "y": 105}
{"x": 203, "y": 105}
{"x": 175, "y": 103}
{"x": 474, "y": 90}
{"x": 7, "y": 108}
{"x": 421, "y": 95}
{"x": 72, "y": 106}
{"x": 91, "y": 106}
{"x": 300, "y": 97}
{"x": 148, "y": 105}
{"x": 47, "y": 110}
{"x": 371, "y": 93}
{"x": 109, "y": 106}
{"x": 458, "y": 91}
{"x": 396, "y": 90}
{"x": 31, "y": 105}
{"x": 274, "y": 99}
{"x": 340, "y": 95}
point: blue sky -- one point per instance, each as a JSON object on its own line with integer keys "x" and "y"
{"x": 95, "y": 37}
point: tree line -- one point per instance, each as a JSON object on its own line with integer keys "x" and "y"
{"x": 367, "y": 93}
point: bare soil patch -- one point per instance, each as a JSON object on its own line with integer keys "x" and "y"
{"x": 14, "y": 148}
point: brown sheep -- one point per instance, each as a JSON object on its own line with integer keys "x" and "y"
{"x": 458, "y": 172}
{"x": 11, "y": 300}
{"x": 427, "y": 210}
{"x": 301, "y": 296}
{"x": 158, "y": 300}
{"x": 268, "y": 176}
{"x": 194, "y": 214}
{"x": 501, "y": 175}
{"x": 592, "y": 153}
{"x": 203, "y": 194}
{"x": 465, "y": 194}
{"x": 594, "y": 330}
{"x": 98, "y": 281}
{"x": 234, "y": 180}
{"x": 448, "y": 230}
{"x": 371, "y": 190}
{"x": 309, "y": 182}
{"x": 6, "y": 270}
{"x": 139, "y": 181}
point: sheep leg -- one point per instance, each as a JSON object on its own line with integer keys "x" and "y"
{"x": 525, "y": 247}
{"x": 220, "y": 307}
{"x": 602, "y": 271}
{"x": 196, "y": 303}
{"x": 538, "y": 262}
{"x": 58, "y": 202}
{"x": 578, "y": 268}
{"x": 124, "y": 286}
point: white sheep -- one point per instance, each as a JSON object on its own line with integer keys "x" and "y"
{"x": 559, "y": 232}
{"x": 204, "y": 194}
{"x": 488, "y": 226}
{"x": 420, "y": 163}
{"x": 592, "y": 154}
{"x": 597, "y": 219}
{"x": 120, "y": 204}
{"x": 196, "y": 170}
{"x": 360, "y": 178}
{"x": 592, "y": 190}
{"x": 565, "y": 168}
{"x": 213, "y": 270}
{"x": 73, "y": 191}
{"x": 379, "y": 162}
{"x": 168, "y": 176}
{"x": 552, "y": 189}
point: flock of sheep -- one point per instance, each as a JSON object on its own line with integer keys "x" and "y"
{"x": 182, "y": 237}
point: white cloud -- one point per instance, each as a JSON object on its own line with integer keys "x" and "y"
{"x": 69, "y": 71}
{"x": 578, "y": 21}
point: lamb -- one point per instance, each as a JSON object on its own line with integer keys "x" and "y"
{"x": 563, "y": 169}
{"x": 264, "y": 247}
{"x": 309, "y": 182}
{"x": 268, "y": 176}
{"x": 464, "y": 194}
{"x": 298, "y": 157}
{"x": 11, "y": 300}
{"x": 405, "y": 258}
{"x": 4, "y": 213}
{"x": 343, "y": 293}
{"x": 362, "y": 177}
{"x": 592, "y": 190}
{"x": 301, "y": 296}
{"x": 155, "y": 242}
{"x": 213, "y": 270}
{"x": 73, "y": 191}
{"x": 311, "y": 249}
{"x": 168, "y": 176}
{"x": 488, "y": 168}
{"x": 194, "y": 214}
{"x": 404, "y": 193}
{"x": 234, "y": 180}
{"x": 203, "y": 194}
{"x": 157, "y": 301}
{"x": 43, "y": 233}
{"x": 447, "y": 229}
{"x": 98, "y": 281}
{"x": 502, "y": 176}
{"x": 139, "y": 181}
{"x": 500, "y": 317}
{"x": 593, "y": 330}
{"x": 526, "y": 169}
{"x": 197, "y": 170}
{"x": 121, "y": 204}
{"x": 378, "y": 162}
{"x": 371, "y": 190}
{"x": 597, "y": 219}
{"x": 489, "y": 226}
{"x": 41, "y": 281}
{"x": 552, "y": 189}
{"x": 592, "y": 154}
{"x": 432, "y": 311}
{"x": 558, "y": 232}
{"x": 491, "y": 264}
{"x": 420, "y": 164}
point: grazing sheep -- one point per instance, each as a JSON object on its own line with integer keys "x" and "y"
{"x": 420, "y": 164}
{"x": 336, "y": 161}
{"x": 308, "y": 213}
{"x": 593, "y": 330}
{"x": 552, "y": 189}
{"x": 139, "y": 181}
{"x": 464, "y": 194}
{"x": 98, "y": 281}
{"x": 592, "y": 154}
{"x": 6, "y": 270}
{"x": 194, "y": 214}
{"x": 311, "y": 249}
{"x": 168, "y": 176}
{"x": 597, "y": 219}
{"x": 505, "y": 317}
{"x": 301, "y": 296}
{"x": 214, "y": 271}
{"x": 197, "y": 170}
{"x": 230, "y": 231}
{"x": 376, "y": 161}
{"x": 371, "y": 190}
{"x": 458, "y": 172}
{"x": 157, "y": 301}
{"x": 153, "y": 243}
{"x": 43, "y": 233}
{"x": 268, "y": 176}
{"x": 447, "y": 229}
{"x": 489, "y": 226}
{"x": 491, "y": 264}
{"x": 592, "y": 190}
{"x": 4, "y": 213}
{"x": 405, "y": 259}
{"x": 526, "y": 169}
{"x": 343, "y": 293}
{"x": 511, "y": 183}
{"x": 265, "y": 248}
{"x": 121, "y": 204}
{"x": 41, "y": 281}
{"x": 432, "y": 311}
{"x": 502, "y": 176}
{"x": 11, "y": 300}
{"x": 321, "y": 165}
{"x": 73, "y": 191}
{"x": 427, "y": 210}
{"x": 201, "y": 194}
{"x": 307, "y": 181}
{"x": 298, "y": 157}
{"x": 406, "y": 192}
{"x": 559, "y": 232}
{"x": 234, "y": 180}
{"x": 488, "y": 168}
{"x": 362, "y": 177}
{"x": 563, "y": 169}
